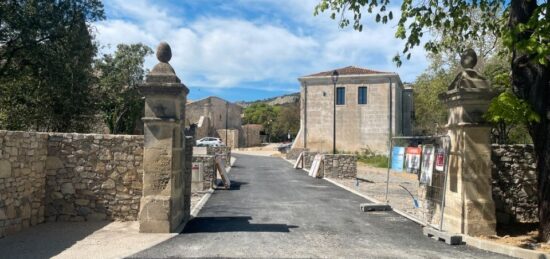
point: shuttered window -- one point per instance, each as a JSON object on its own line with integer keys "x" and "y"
{"x": 340, "y": 95}
{"x": 362, "y": 95}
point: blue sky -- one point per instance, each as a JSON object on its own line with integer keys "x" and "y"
{"x": 250, "y": 49}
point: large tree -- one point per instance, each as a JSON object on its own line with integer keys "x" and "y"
{"x": 46, "y": 53}
{"x": 120, "y": 103}
{"x": 525, "y": 31}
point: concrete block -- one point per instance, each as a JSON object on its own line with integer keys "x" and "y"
{"x": 449, "y": 238}
{"x": 365, "y": 207}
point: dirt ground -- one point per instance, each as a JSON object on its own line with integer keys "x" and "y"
{"x": 520, "y": 235}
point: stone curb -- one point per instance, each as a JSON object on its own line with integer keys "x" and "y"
{"x": 469, "y": 240}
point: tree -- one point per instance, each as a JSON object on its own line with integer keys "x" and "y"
{"x": 524, "y": 29}
{"x": 278, "y": 120}
{"x": 120, "y": 103}
{"x": 46, "y": 52}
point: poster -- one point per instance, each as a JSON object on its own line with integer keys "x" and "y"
{"x": 397, "y": 157}
{"x": 428, "y": 159}
{"x": 440, "y": 160}
{"x": 412, "y": 159}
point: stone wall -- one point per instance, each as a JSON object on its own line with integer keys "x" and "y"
{"x": 339, "y": 166}
{"x": 308, "y": 158}
{"x": 93, "y": 177}
{"x": 294, "y": 153}
{"x": 514, "y": 183}
{"x": 232, "y": 137}
{"x": 250, "y": 135}
{"x": 68, "y": 177}
{"x": 220, "y": 151}
{"x": 22, "y": 180}
{"x": 206, "y": 180}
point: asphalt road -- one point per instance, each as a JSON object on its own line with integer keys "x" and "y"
{"x": 274, "y": 210}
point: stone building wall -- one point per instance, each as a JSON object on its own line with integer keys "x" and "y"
{"x": 232, "y": 137}
{"x": 206, "y": 180}
{"x": 250, "y": 135}
{"x": 514, "y": 183}
{"x": 339, "y": 166}
{"x": 294, "y": 153}
{"x": 189, "y": 143}
{"x": 22, "y": 180}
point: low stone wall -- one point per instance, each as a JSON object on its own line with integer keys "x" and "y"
{"x": 220, "y": 151}
{"x": 93, "y": 177}
{"x": 22, "y": 180}
{"x": 514, "y": 183}
{"x": 308, "y": 158}
{"x": 294, "y": 153}
{"x": 206, "y": 180}
{"x": 68, "y": 177}
{"x": 339, "y": 166}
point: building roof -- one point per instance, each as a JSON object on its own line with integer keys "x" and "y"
{"x": 349, "y": 70}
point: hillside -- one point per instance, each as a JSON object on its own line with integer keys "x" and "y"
{"x": 278, "y": 100}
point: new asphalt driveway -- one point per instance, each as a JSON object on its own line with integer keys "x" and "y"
{"x": 274, "y": 210}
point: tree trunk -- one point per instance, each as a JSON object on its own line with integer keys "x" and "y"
{"x": 531, "y": 82}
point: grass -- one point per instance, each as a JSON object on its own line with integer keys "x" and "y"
{"x": 380, "y": 161}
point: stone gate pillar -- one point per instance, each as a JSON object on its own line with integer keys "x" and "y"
{"x": 163, "y": 207}
{"x": 469, "y": 204}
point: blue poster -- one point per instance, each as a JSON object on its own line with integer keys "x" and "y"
{"x": 397, "y": 157}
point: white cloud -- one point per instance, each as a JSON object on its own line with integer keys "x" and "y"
{"x": 215, "y": 51}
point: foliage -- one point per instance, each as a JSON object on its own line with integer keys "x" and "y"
{"x": 380, "y": 161}
{"x": 522, "y": 25}
{"x": 121, "y": 105}
{"x": 506, "y": 110}
{"x": 46, "y": 52}
{"x": 278, "y": 121}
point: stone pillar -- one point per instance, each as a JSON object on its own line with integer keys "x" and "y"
{"x": 469, "y": 204}
{"x": 163, "y": 206}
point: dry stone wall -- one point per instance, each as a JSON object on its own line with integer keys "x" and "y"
{"x": 206, "y": 180}
{"x": 22, "y": 180}
{"x": 93, "y": 177}
{"x": 220, "y": 151}
{"x": 308, "y": 158}
{"x": 294, "y": 153}
{"x": 68, "y": 177}
{"x": 514, "y": 183}
{"x": 340, "y": 166}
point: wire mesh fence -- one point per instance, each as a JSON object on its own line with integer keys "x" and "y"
{"x": 415, "y": 179}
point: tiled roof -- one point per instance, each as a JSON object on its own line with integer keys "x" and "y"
{"x": 351, "y": 70}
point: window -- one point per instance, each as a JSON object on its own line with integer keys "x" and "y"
{"x": 362, "y": 95}
{"x": 340, "y": 95}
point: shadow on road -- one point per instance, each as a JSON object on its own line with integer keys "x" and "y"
{"x": 231, "y": 224}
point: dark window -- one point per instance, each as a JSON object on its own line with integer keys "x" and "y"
{"x": 340, "y": 95}
{"x": 362, "y": 95}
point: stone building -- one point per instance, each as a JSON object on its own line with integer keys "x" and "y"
{"x": 362, "y": 110}
{"x": 212, "y": 114}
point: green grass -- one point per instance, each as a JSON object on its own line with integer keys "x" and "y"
{"x": 380, "y": 161}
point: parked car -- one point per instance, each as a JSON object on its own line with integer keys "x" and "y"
{"x": 209, "y": 141}
{"x": 283, "y": 148}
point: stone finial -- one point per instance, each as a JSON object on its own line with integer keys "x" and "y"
{"x": 164, "y": 52}
{"x": 468, "y": 60}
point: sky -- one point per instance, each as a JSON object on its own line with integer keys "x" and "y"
{"x": 251, "y": 49}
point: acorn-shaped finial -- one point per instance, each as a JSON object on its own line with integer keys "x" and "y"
{"x": 164, "y": 53}
{"x": 468, "y": 60}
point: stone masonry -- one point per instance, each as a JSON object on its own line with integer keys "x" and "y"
{"x": 68, "y": 177}
{"x": 339, "y": 166}
{"x": 515, "y": 183}
{"x": 93, "y": 177}
{"x": 294, "y": 153}
{"x": 207, "y": 179}
{"x": 22, "y": 180}
{"x": 220, "y": 151}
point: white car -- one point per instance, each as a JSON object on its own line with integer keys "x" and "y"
{"x": 209, "y": 141}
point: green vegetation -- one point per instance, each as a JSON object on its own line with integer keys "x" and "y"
{"x": 46, "y": 55}
{"x": 278, "y": 121}
{"x": 121, "y": 105}
{"x": 523, "y": 28}
{"x": 380, "y": 161}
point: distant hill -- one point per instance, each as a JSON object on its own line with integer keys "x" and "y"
{"x": 278, "y": 100}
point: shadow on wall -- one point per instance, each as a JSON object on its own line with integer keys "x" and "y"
{"x": 47, "y": 240}
{"x": 231, "y": 224}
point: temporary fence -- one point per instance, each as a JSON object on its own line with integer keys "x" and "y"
{"x": 415, "y": 179}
